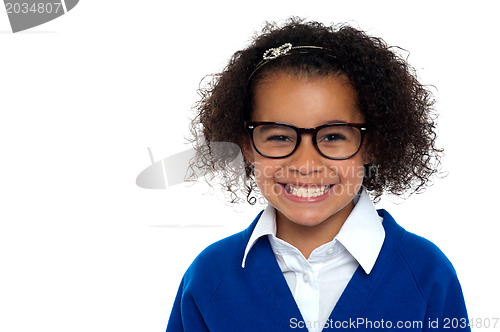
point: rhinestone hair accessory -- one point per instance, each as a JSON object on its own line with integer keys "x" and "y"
{"x": 285, "y": 50}
{"x": 274, "y": 53}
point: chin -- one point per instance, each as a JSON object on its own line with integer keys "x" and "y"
{"x": 306, "y": 219}
{"x": 317, "y": 213}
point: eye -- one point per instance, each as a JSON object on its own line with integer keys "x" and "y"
{"x": 275, "y": 135}
{"x": 279, "y": 138}
{"x": 332, "y": 138}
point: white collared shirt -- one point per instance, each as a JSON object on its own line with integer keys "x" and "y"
{"x": 318, "y": 282}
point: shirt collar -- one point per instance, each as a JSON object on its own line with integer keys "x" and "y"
{"x": 362, "y": 233}
{"x": 265, "y": 226}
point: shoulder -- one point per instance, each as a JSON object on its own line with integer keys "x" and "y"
{"x": 214, "y": 258}
{"x": 424, "y": 257}
{"x": 215, "y": 262}
{"x": 417, "y": 251}
{"x": 206, "y": 273}
{"x": 428, "y": 265}
{"x": 415, "y": 265}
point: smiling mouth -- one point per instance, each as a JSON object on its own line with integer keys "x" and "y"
{"x": 307, "y": 191}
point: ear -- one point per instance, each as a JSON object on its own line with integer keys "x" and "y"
{"x": 368, "y": 156}
{"x": 247, "y": 149}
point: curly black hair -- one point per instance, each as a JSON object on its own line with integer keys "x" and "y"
{"x": 398, "y": 109}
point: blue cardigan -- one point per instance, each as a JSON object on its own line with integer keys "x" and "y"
{"x": 412, "y": 287}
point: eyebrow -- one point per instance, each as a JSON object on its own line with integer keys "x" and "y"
{"x": 336, "y": 121}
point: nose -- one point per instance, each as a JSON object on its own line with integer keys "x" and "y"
{"x": 306, "y": 159}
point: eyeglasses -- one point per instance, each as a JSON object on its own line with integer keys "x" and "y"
{"x": 335, "y": 141}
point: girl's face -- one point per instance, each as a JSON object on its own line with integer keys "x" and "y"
{"x": 327, "y": 186}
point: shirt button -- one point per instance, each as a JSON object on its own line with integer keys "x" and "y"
{"x": 330, "y": 251}
{"x": 305, "y": 277}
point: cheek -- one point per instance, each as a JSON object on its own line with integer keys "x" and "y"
{"x": 266, "y": 170}
{"x": 265, "y": 178}
{"x": 351, "y": 171}
{"x": 351, "y": 174}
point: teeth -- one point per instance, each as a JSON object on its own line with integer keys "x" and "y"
{"x": 306, "y": 192}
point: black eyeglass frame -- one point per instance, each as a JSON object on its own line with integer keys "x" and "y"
{"x": 251, "y": 125}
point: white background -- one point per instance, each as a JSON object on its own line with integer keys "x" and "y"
{"x": 82, "y": 248}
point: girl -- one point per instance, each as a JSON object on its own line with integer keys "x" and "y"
{"x": 324, "y": 116}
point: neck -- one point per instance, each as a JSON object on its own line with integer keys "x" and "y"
{"x": 307, "y": 238}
